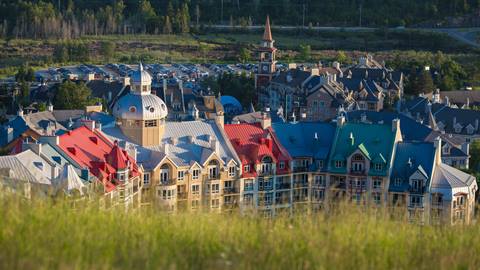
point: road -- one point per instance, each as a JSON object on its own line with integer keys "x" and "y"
{"x": 464, "y": 35}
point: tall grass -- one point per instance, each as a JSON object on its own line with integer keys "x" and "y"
{"x": 44, "y": 235}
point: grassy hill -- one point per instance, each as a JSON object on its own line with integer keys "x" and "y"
{"x": 43, "y": 235}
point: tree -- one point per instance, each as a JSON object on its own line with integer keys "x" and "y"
{"x": 167, "y": 27}
{"x": 107, "y": 49}
{"x": 25, "y": 74}
{"x": 71, "y": 96}
{"x": 305, "y": 52}
{"x": 475, "y": 156}
{"x": 424, "y": 83}
{"x": 244, "y": 55}
{"x": 341, "y": 57}
{"x": 24, "y": 98}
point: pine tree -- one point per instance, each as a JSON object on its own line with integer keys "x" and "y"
{"x": 167, "y": 27}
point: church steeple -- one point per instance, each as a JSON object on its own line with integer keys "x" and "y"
{"x": 267, "y": 34}
{"x": 266, "y": 51}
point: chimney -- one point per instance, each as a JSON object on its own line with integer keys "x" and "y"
{"x": 314, "y": 72}
{"x": 292, "y": 66}
{"x": 438, "y": 150}
{"x": 395, "y": 124}
{"x": 20, "y": 112}
{"x": 180, "y": 85}
{"x": 9, "y": 134}
{"x": 220, "y": 119}
{"x": 53, "y": 140}
{"x": 340, "y": 120}
{"x": 126, "y": 81}
{"x": 190, "y": 139}
{"x": 166, "y": 149}
{"x": 98, "y": 126}
{"x": 476, "y": 124}
{"x": 50, "y": 107}
{"x": 336, "y": 65}
{"x": 454, "y": 121}
{"x": 266, "y": 121}
{"x": 215, "y": 146}
{"x": 90, "y": 124}
{"x": 54, "y": 171}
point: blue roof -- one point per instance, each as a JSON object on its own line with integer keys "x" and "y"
{"x": 299, "y": 138}
{"x": 411, "y": 129}
{"x": 19, "y": 126}
{"x": 421, "y": 156}
{"x": 232, "y": 101}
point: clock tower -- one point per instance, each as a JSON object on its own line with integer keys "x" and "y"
{"x": 266, "y": 51}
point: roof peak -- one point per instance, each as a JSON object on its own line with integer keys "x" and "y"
{"x": 267, "y": 34}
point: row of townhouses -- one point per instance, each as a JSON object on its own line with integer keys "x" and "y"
{"x": 266, "y": 167}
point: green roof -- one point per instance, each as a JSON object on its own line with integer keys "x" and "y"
{"x": 372, "y": 140}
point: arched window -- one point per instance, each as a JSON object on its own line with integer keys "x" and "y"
{"x": 267, "y": 159}
{"x": 358, "y": 157}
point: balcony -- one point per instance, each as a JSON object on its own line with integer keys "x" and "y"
{"x": 420, "y": 190}
{"x": 266, "y": 172}
{"x": 300, "y": 184}
{"x": 282, "y": 186}
{"x": 182, "y": 195}
{"x": 357, "y": 172}
{"x": 248, "y": 188}
{"x": 230, "y": 190}
{"x": 168, "y": 182}
{"x": 211, "y": 177}
{"x": 282, "y": 200}
{"x": 300, "y": 169}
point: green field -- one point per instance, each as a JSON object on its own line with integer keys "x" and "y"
{"x": 43, "y": 235}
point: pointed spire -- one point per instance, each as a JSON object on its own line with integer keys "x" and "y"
{"x": 116, "y": 158}
{"x": 431, "y": 121}
{"x": 140, "y": 66}
{"x": 267, "y": 35}
{"x": 252, "y": 109}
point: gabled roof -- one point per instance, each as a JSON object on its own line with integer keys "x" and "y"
{"x": 90, "y": 149}
{"x": 252, "y": 143}
{"x": 306, "y": 139}
{"x": 17, "y": 125}
{"x": 409, "y": 158}
{"x": 371, "y": 139}
{"x": 292, "y": 77}
{"x": 68, "y": 180}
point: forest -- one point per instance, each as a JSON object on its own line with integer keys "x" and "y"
{"x": 73, "y": 18}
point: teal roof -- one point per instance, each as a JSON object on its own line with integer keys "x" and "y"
{"x": 373, "y": 140}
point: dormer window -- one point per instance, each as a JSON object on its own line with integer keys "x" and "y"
{"x": 281, "y": 165}
{"x": 246, "y": 168}
{"x": 378, "y": 166}
{"x": 458, "y": 129}
{"x": 231, "y": 171}
{"x": 132, "y": 109}
{"x": 398, "y": 182}
{"x": 338, "y": 164}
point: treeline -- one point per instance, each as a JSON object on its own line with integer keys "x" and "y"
{"x": 73, "y": 18}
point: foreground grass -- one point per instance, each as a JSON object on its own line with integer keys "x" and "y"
{"x": 47, "y": 236}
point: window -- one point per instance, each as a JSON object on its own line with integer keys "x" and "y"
{"x": 248, "y": 198}
{"x": 248, "y": 185}
{"x": 415, "y": 201}
{"x": 231, "y": 171}
{"x": 281, "y": 165}
{"x": 378, "y": 166}
{"x": 195, "y": 174}
{"x": 195, "y": 189}
{"x": 132, "y": 109}
{"x": 338, "y": 164}
{"x": 377, "y": 198}
{"x": 213, "y": 172}
{"x": 215, "y": 203}
{"x": 377, "y": 183}
{"x": 164, "y": 176}
{"x": 150, "y": 123}
{"x": 181, "y": 175}
{"x": 195, "y": 203}
{"x": 246, "y": 168}
{"x": 318, "y": 194}
{"x": 322, "y": 104}
{"x": 319, "y": 180}
{"x": 168, "y": 194}
{"x": 417, "y": 184}
{"x": 215, "y": 188}
{"x": 398, "y": 182}
{"x": 228, "y": 184}
{"x": 146, "y": 178}
{"x": 357, "y": 167}
{"x": 320, "y": 164}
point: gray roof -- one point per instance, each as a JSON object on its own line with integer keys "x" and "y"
{"x": 56, "y": 120}
{"x": 184, "y": 152}
{"x": 446, "y": 176}
{"x": 27, "y": 166}
{"x": 293, "y": 77}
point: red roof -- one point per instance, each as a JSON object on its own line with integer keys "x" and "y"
{"x": 92, "y": 150}
{"x": 252, "y": 143}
